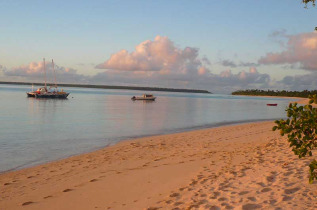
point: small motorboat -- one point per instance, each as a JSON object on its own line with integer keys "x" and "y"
{"x": 146, "y": 97}
{"x": 271, "y": 104}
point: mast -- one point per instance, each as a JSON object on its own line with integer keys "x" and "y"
{"x": 54, "y": 74}
{"x": 44, "y": 73}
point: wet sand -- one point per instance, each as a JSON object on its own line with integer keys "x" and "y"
{"x": 243, "y": 166}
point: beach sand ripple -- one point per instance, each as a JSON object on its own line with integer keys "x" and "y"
{"x": 232, "y": 167}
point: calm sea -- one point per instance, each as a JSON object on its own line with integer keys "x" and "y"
{"x": 34, "y": 131}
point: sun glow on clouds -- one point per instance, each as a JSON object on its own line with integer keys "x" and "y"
{"x": 160, "y": 60}
{"x": 36, "y": 70}
{"x": 154, "y": 63}
{"x": 301, "y": 48}
{"x": 310, "y": 43}
{"x": 159, "y": 55}
{"x": 202, "y": 70}
{"x": 32, "y": 69}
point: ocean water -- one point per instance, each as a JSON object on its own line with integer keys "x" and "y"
{"x": 34, "y": 131}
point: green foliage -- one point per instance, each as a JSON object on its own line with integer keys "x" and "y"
{"x": 309, "y": 1}
{"x": 257, "y": 92}
{"x": 301, "y": 130}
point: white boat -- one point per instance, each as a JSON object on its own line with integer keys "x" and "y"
{"x": 44, "y": 92}
{"x": 146, "y": 97}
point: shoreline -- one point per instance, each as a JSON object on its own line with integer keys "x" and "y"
{"x": 123, "y": 139}
{"x": 246, "y": 166}
{"x": 286, "y": 97}
{"x": 299, "y": 100}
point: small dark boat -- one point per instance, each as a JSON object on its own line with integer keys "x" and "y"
{"x": 145, "y": 97}
{"x": 271, "y": 104}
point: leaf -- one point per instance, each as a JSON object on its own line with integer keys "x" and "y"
{"x": 301, "y": 130}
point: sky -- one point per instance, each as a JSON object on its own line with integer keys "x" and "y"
{"x": 220, "y": 46}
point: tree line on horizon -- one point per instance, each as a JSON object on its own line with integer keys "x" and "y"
{"x": 117, "y": 87}
{"x": 257, "y": 92}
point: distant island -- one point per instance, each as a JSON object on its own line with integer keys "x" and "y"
{"x": 256, "y": 92}
{"x": 114, "y": 87}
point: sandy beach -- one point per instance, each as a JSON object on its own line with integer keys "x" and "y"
{"x": 158, "y": 105}
{"x": 242, "y": 166}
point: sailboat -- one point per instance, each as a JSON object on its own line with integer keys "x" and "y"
{"x": 44, "y": 92}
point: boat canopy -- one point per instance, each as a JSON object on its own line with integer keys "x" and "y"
{"x": 42, "y": 90}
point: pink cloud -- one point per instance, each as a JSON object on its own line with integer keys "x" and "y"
{"x": 225, "y": 82}
{"x": 35, "y": 71}
{"x": 202, "y": 71}
{"x": 226, "y": 74}
{"x": 253, "y": 70}
{"x": 301, "y": 48}
{"x": 252, "y": 75}
{"x": 160, "y": 55}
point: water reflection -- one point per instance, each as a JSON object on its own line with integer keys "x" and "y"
{"x": 38, "y": 130}
{"x": 143, "y": 101}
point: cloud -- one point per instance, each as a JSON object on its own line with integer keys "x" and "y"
{"x": 299, "y": 82}
{"x": 248, "y": 64}
{"x": 160, "y": 55}
{"x": 228, "y": 63}
{"x": 85, "y": 64}
{"x": 202, "y": 71}
{"x": 227, "y": 82}
{"x": 35, "y": 71}
{"x": 279, "y": 37}
{"x": 161, "y": 63}
{"x": 206, "y": 61}
{"x": 278, "y": 34}
{"x": 2, "y": 69}
{"x": 300, "y": 49}
{"x": 251, "y": 77}
{"x": 232, "y": 64}
{"x": 224, "y": 82}
{"x": 154, "y": 63}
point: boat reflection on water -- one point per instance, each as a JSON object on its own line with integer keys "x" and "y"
{"x": 145, "y": 101}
